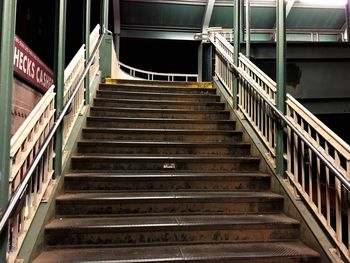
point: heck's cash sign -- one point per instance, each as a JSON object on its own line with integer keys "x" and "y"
{"x": 28, "y": 66}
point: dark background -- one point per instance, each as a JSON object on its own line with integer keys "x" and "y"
{"x": 35, "y": 25}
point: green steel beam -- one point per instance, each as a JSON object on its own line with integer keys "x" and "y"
{"x": 347, "y": 15}
{"x": 241, "y": 20}
{"x": 200, "y": 61}
{"x": 8, "y": 20}
{"x": 104, "y": 15}
{"x": 59, "y": 64}
{"x": 87, "y": 18}
{"x": 236, "y": 48}
{"x": 247, "y": 28}
{"x": 281, "y": 80}
{"x": 148, "y": 34}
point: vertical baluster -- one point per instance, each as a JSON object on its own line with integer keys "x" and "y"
{"x": 338, "y": 206}
{"x": 289, "y": 143}
{"x": 318, "y": 178}
{"x": 310, "y": 169}
{"x": 328, "y": 202}
{"x": 302, "y": 158}
{"x": 295, "y": 154}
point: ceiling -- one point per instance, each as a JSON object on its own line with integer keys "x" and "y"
{"x": 181, "y": 19}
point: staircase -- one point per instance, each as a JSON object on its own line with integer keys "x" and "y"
{"x": 161, "y": 175}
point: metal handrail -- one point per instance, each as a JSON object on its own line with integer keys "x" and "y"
{"x": 18, "y": 194}
{"x": 157, "y": 73}
{"x": 283, "y": 119}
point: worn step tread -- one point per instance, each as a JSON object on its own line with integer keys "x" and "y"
{"x": 195, "y": 103}
{"x": 161, "y": 85}
{"x": 236, "y": 252}
{"x": 160, "y": 157}
{"x": 166, "y": 176}
{"x": 174, "y": 131}
{"x": 154, "y": 94}
{"x": 175, "y": 196}
{"x": 165, "y": 120}
{"x": 91, "y": 142}
{"x": 151, "y": 110}
{"x": 171, "y": 222}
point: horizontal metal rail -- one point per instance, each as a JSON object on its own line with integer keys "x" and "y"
{"x": 151, "y": 75}
{"x": 16, "y": 197}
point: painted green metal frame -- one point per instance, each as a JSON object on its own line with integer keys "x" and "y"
{"x": 59, "y": 65}
{"x": 236, "y": 47}
{"x": 281, "y": 80}
{"x": 8, "y": 21}
{"x": 87, "y": 18}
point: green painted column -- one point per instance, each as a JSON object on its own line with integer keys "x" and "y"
{"x": 200, "y": 61}
{"x": 104, "y": 15}
{"x": 87, "y": 18}
{"x": 236, "y": 48}
{"x": 59, "y": 61}
{"x": 280, "y": 79}
{"x": 8, "y": 21}
{"x": 347, "y": 15}
{"x": 247, "y": 28}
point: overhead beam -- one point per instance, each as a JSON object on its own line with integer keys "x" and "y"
{"x": 289, "y": 6}
{"x": 173, "y": 2}
{"x": 207, "y": 15}
{"x": 151, "y": 34}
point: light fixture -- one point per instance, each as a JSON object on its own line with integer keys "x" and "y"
{"x": 325, "y": 2}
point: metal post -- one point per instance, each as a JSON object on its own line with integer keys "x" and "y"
{"x": 104, "y": 15}
{"x": 200, "y": 61}
{"x": 87, "y": 14}
{"x": 281, "y": 80}
{"x": 241, "y": 21}
{"x": 8, "y": 20}
{"x": 347, "y": 15}
{"x": 59, "y": 60}
{"x": 236, "y": 47}
{"x": 247, "y": 28}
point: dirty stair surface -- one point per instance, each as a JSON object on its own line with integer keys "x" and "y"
{"x": 161, "y": 175}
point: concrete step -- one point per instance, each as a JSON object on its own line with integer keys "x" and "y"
{"x": 163, "y": 147}
{"x": 157, "y": 104}
{"x": 165, "y": 163}
{"x": 157, "y": 89}
{"x": 159, "y": 113}
{"x": 107, "y": 181}
{"x": 158, "y": 203}
{"x": 174, "y": 229}
{"x": 257, "y": 252}
{"x": 159, "y": 123}
{"x": 185, "y": 135}
{"x": 157, "y": 96}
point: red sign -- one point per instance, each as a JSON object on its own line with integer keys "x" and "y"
{"x": 30, "y": 67}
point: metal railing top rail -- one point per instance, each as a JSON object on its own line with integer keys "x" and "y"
{"x": 16, "y": 197}
{"x": 284, "y": 121}
{"x": 158, "y": 73}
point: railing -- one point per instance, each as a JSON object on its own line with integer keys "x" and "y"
{"x": 71, "y": 77}
{"x": 149, "y": 75}
{"x": 25, "y": 145}
{"x": 318, "y": 161}
{"x": 32, "y": 151}
{"x": 311, "y": 35}
{"x": 312, "y": 179}
{"x": 250, "y": 103}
